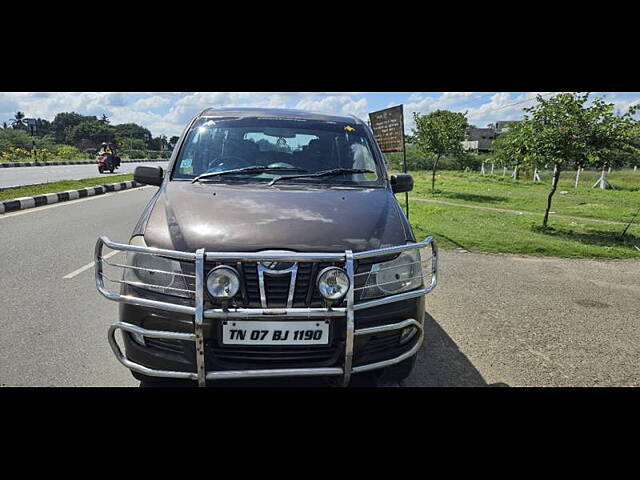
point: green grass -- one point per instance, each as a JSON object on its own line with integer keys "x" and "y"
{"x": 502, "y": 192}
{"x": 61, "y": 186}
{"x": 489, "y": 231}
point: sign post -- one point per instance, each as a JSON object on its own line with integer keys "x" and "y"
{"x": 388, "y": 130}
{"x": 31, "y": 122}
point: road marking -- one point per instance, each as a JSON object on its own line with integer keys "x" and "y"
{"x": 68, "y": 202}
{"x": 89, "y": 265}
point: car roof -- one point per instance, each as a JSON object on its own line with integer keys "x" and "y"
{"x": 284, "y": 113}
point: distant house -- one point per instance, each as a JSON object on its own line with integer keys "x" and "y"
{"x": 480, "y": 139}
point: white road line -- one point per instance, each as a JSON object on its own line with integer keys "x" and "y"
{"x": 89, "y": 265}
{"x": 68, "y": 202}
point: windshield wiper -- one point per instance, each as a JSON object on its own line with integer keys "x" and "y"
{"x": 256, "y": 169}
{"x": 324, "y": 173}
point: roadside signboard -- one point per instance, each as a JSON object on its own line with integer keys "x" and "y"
{"x": 388, "y": 128}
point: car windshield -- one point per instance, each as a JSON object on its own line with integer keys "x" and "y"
{"x": 261, "y": 149}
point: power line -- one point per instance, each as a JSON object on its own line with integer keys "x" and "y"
{"x": 517, "y": 103}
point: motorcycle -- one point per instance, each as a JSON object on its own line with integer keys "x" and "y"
{"x": 104, "y": 163}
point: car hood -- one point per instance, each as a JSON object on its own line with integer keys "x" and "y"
{"x": 187, "y": 216}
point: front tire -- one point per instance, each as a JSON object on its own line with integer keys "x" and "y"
{"x": 100, "y": 170}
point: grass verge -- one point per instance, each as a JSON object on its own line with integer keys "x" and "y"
{"x": 61, "y": 186}
{"x": 471, "y": 188}
{"x": 475, "y": 230}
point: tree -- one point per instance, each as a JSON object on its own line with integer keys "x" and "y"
{"x": 440, "y": 133}
{"x": 173, "y": 141}
{"x": 514, "y": 148}
{"x": 564, "y": 131}
{"x": 17, "y": 121}
{"x": 43, "y": 127}
{"x": 92, "y": 130}
{"x": 104, "y": 119}
{"x": 64, "y": 122}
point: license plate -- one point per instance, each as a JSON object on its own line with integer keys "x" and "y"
{"x": 275, "y": 333}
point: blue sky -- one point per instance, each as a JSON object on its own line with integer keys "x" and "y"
{"x": 168, "y": 113}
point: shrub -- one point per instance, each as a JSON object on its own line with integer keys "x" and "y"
{"x": 16, "y": 154}
{"x": 67, "y": 152}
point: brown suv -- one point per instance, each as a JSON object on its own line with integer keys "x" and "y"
{"x": 274, "y": 247}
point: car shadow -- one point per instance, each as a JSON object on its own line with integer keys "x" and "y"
{"x": 440, "y": 362}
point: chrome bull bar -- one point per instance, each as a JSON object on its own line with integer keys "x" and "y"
{"x": 348, "y": 259}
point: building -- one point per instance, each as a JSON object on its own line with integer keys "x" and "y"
{"x": 480, "y": 139}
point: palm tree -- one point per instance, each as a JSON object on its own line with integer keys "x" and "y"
{"x": 17, "y": 121}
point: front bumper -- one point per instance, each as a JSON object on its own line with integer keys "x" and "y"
{"x": 201, "y": 318}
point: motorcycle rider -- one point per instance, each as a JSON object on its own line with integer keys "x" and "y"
{"x": 107, "y": 152}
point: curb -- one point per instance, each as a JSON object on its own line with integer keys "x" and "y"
{"x": 83, "y": 162}
{"x": 23, "y": 203}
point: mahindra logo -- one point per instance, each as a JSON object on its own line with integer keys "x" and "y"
{"x": 278, "y": 266}
{"x": 275, "y": 266}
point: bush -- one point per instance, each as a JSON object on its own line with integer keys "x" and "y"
{"x": 134, "y": 154}
{"x": 416, "y": 161}
{"x": 67, "y": 152}
{"x": 16, "y": 154}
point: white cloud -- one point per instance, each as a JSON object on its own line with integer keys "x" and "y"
{"x": 151, "y": 102}
{"x": 168, "y": 112}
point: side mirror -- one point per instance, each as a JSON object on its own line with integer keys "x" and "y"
{"x": 148, "y": 175}
{"x": 401, "y": 183}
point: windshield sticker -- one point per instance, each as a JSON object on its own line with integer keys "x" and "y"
{"x": 185, "y": 163}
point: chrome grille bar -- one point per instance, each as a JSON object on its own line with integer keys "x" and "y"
{"x": 198, "y": 320}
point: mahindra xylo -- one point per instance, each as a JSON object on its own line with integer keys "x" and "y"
{"x": 274, "y": 247}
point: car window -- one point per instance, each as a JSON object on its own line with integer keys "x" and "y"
{"x": 215, "y": 145}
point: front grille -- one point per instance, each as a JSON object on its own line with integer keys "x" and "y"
{"x": 270, "y": 356}
{"x": 277, "y": 286}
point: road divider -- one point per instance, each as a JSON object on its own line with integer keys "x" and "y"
{"x": 49, "y": 198}
{"x": 82, "y": 162}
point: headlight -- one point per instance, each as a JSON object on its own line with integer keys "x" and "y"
{"x": 399, "y": 275}
{"x": 154, "y": 273}
{"x": 223, "y": 282}
{"x": 333, "y": 283}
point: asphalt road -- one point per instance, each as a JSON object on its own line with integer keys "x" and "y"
{"x": 17, "y": 176}
{"x": 493, "y": 320}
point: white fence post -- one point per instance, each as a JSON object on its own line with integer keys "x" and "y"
{"x": 602, "y": 181}
{"x": 578, "y": 176}
{"x": 482, "y": 168}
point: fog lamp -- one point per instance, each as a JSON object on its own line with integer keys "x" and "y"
{"x": 223, "y": 282}
{"x": 139, "y": 338}
{"x": 333, "y": 283}
{"x": 407, "y": 334}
